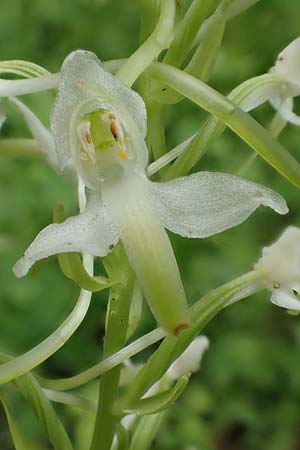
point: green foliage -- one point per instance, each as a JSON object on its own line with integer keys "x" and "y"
{"x": 247, "y": 394}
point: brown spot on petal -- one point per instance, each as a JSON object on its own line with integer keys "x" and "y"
{"x": 110, "y": 247}
{"x": 276, "y": 285}
{"x": 179, "y": 328}
{"x": 88, "y": 137}
{"x": 113, "y": 130}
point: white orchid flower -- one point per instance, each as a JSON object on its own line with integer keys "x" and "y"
{"x": 287, "y": 67}
{"x": 99, "y": 125}
{"x": 281, "y": 264}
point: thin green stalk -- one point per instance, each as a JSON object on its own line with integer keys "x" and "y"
{"x": 115, "y": 338}
{"x": 106, "y": 364}
{"x": 26, "y": 362}
{"x": 201, "y": 313}
{"x": 152, "y": 47}
{"x": 276, "y": 126}
{"x": 187, "y": 31}
{"x": 204, "y": 58}
{"x": 240, "y": 122}
{"x": 14, "y": 148}
{"x": 155, "y": 140}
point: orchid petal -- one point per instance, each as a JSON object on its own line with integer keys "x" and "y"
{"x": 190, "y": 359}
{"x": 287, "y": 65}
{"x": 285, "y": 109}
{"x": 285, "y": 299}
{"x": 80, "y": 73}
{"x": 207, "y": 203}
{"x": 40, "y": 133}
{"x": 90, "y": 232}
{"x": 20, "y": 87}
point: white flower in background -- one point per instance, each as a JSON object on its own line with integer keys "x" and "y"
{"x": 99, "y": 125}
{"x": 287, "y": 67}
{"x": 281, "y": 264}
{"x": 190, "y": 359}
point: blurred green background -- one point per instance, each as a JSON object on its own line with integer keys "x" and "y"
{"x": 247, "y": 394}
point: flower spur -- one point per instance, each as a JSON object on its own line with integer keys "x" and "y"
{"x": 99, "y": 125}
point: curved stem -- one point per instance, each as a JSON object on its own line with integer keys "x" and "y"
{"x": 26, "y": 362}
{"x": 14, "y": 148}
{"x": 247, "y": 96}
{"x": 240, "y": 122}
{"x": 151, "y": 48}
{"x": 28, "y": 86}
{"x": 106, "y": 364}
{"x": 187, "y": 30}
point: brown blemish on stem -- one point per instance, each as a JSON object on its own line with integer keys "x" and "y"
{"x": 179, "y": 328}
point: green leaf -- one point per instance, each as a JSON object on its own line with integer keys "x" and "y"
{"x": 158, "y": 402}
{"x": 72, "y": 266}
{"x": 43, "y": 409}
{"x": 20, "y": 442}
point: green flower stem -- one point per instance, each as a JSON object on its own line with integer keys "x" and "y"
{"x": 24, "y": 69}
{"x": 247, "y": 96}
{"x": 201, "y": 313}
{"x": 14, "y": 148}
{"x": 26, "y": 362}
{"x": 187, "y": 31}
{"x": 204, "y": 58}
{"x": 106, "y": 364}
{"x": 156, "y": 129}
{"x": 240, "y": 122}
{"x": 276, "y": 126}
{"x": 141, "y": 343}
{"x": 152, "y": 47}
{"x": 115, "y": 338}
